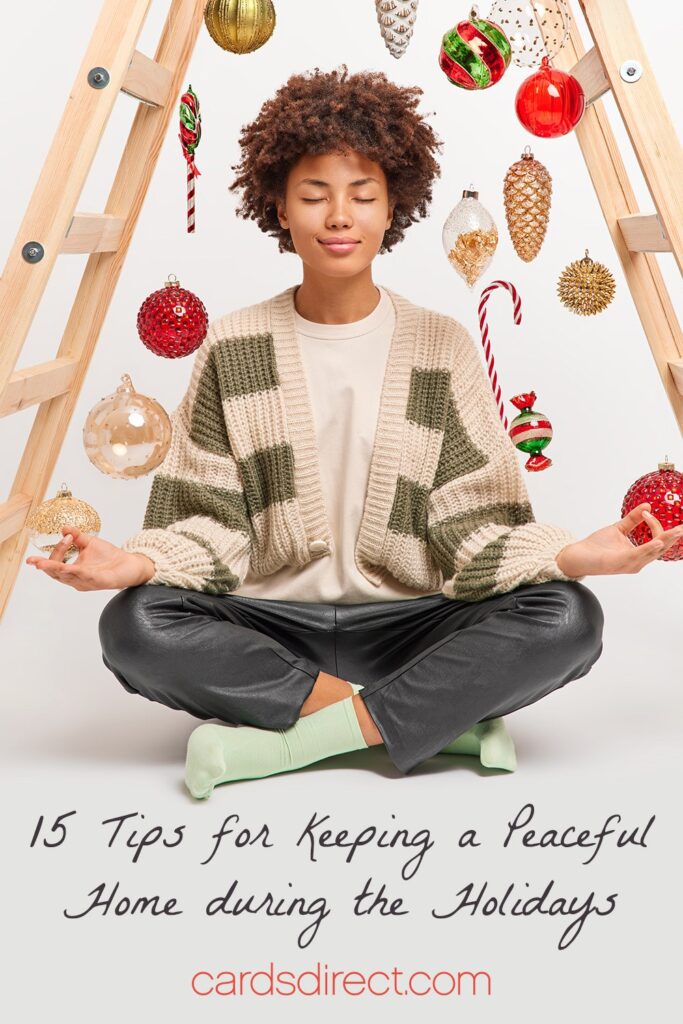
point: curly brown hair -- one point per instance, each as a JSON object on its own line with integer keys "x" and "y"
{"x": 321, "y": 112}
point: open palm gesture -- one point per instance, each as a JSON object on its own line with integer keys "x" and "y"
{"x": 608, "y": 551}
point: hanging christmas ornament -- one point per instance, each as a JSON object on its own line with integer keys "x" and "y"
{"x": 484, "y": 331}
{"x": 550, "y": 102}
{"x": 172, "y": 321}
{"x": 240, "y": 26}
{"x": 664, "y": 490}
{"x": 474, "y": 54}
{"x": 396, "y": 20}
{"x": 469, "y": 237}
{"x": 531, "y": 431}
{"x": 189, "y": 135}
{"x": 586, "y": 287}
{"x": 45, "y": 523}
{"x": 127, "y": 434}
{"x": 535, "y": 29}
{"x": 526, "y": 195}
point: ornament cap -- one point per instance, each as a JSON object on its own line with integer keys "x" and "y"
{"x": 172, "y": 282}
{"x": 525, "y": 400}
{"x": 666, "y": 465}
{"x": 470, "y": 193}
{"x": 127, "y": 383}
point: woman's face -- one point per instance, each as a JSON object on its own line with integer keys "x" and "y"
{"x": 334, "y": 196}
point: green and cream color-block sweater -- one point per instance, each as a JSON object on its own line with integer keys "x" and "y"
{"x": 240, "y": 490}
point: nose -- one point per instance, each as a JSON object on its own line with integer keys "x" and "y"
{"x": 339, "y": 213}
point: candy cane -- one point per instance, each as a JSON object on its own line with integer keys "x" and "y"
{"x": 484, "y": 328}
{"x": 190, "y": 134}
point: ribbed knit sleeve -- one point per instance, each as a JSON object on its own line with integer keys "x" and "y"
{"x": 196, "y": 528}
{"x": 481, "y": 528}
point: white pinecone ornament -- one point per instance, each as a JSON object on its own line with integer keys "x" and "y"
{"x": 526, "y": 194}
{"x": 396, "y": 19}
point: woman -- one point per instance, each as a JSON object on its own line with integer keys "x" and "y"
{"x": 340, "y": 502}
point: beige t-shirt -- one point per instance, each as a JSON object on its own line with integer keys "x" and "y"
{"x": 345, "y": 366}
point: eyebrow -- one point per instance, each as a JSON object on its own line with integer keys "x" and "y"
{"x": 318, "y": 181}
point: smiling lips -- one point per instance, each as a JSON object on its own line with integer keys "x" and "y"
{"x": 342, "y": 244}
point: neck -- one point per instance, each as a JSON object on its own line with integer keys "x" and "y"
{"x": 335, "y": 300}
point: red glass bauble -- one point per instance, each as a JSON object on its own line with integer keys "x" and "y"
{"x": 550, "y": 102}
{"x": 664, "y": 490}
{"x": 172, "y": 322}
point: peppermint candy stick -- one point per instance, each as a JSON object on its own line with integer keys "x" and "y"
{"x": 484, "y": 328}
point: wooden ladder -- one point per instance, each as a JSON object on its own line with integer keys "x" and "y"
{"x": 618, "y": 62}
{"x": 51, "y": 226}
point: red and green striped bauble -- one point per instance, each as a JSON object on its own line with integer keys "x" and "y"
{"x": 531, "y": 431}
{"x": 475, "y": 54}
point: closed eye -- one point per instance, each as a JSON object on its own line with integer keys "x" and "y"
{"x": 320, "y": 200}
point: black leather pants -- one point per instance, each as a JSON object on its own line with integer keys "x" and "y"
{"x": 431, "y": 666}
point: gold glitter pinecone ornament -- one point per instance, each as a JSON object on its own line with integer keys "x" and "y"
{"x": 526, "y": 193}
{"x": 240, "y": 26}
{"x": 45, "y": 522}
{"x": 396, "y": 20}
{"x": 586, "y": 287}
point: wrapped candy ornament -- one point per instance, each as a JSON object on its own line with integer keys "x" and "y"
{"x": 469, "y": 237}
{"x": 531, "y": 431}
{"x": 127, "y": 434}
{"x": 45, "y": 523}
{"x": 396, "y": 20}
{"x": 172, "y": 322}
{"x": 663, "y": 489}
{"x": 475, "y": 53}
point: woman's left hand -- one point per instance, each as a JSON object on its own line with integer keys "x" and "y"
{"x": 609, "y": 551}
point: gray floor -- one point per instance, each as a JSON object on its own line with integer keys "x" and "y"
{"x": 73, "y": 740}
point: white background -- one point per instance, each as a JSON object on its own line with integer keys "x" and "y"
{"x": 74, "y": 740}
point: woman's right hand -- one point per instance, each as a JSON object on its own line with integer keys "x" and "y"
{"x": 99, "y": 565}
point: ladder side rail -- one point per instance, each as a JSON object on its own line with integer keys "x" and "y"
{"x": 101, "y": 274}
{"x": 51, "y": 207}
{"x": 617, "y": 199}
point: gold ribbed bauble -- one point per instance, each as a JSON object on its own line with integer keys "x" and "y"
{"x": 586, "y": 287}
{"x": 240, "y": 26}
{"x": 45, "y": 522}
{"x": 526, "y": 194}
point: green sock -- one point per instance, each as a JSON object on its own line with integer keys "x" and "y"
{"x": 489, "y": 740}
{"x": 223, "y": 753}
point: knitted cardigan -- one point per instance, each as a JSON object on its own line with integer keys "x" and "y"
{"x": 446, "y": 505}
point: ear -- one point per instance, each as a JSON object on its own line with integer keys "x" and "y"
{"x": 390, "y": 214}
{"x": 281, "y": 213}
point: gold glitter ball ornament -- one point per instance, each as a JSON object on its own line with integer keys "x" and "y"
{"x": 240, "y": 26}
{"x": 44, "y": 524}
{"x": 127, "y": 434}
{"x": 526, "y": 194}
{"x": 586, "y": 287}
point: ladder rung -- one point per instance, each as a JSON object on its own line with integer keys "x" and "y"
{"x": 591, "y": 73}
{"x": 644, "y": 233}
{"x": 37, "y": 384}
{"x": 13, "y": 514}
{"x": 93, "y": 232}
{"x": 677, "y": 374}
{"x": 147, "y": 81}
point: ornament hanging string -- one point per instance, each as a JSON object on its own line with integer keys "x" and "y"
{"x": 190, "y": 135}
{"x": 484, "y": 329}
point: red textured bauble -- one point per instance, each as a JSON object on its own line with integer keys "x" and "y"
{"x": 664, "y": 490}
{"x": 172, "y": 322}
{"x": 550, "y": 102}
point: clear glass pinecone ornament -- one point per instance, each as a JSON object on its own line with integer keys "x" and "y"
{"x": 526, "y": 194}
{"x": 396, "y": 20}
